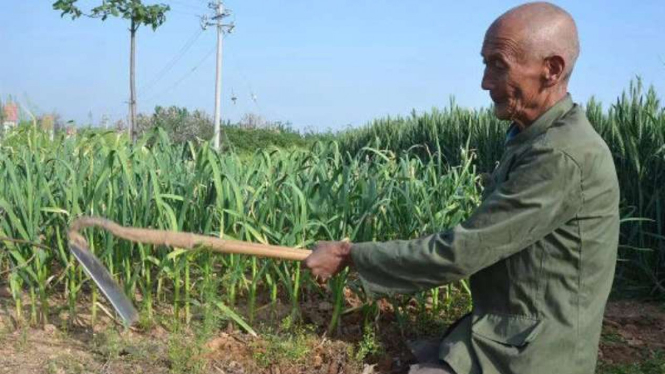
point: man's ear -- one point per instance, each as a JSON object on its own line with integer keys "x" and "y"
{"x": 553, "y": 70}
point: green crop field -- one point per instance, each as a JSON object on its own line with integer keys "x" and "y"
{"x": 288, "y": 197}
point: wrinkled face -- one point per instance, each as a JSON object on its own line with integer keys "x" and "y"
{"x": 512, "y": 78}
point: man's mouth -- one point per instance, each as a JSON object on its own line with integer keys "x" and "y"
{"x": 498, "y": 100}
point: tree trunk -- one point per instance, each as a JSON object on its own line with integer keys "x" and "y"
{"x": 132, "y": 84}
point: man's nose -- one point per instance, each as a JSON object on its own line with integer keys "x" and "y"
{"x": 486, "y": 84}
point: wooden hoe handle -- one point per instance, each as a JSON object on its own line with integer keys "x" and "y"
{"x": 185, "y": 240}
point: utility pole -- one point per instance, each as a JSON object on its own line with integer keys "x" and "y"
{"x": 132, "y": 82}
{"x": 220, "y": 13}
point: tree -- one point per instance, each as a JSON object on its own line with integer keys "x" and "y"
{"x": 138, "y": 14}
{"x": 181, "y": 124}
{"x": 253, "y": 121}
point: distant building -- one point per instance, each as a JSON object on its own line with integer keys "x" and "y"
{"x": 10, "y": 116}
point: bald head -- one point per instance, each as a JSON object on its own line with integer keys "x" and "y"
{"x": 529, "y": 54}
{"x": 540, "y": 30}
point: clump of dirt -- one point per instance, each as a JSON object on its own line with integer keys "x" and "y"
{"x": 239, "y": 354}
{"x": 631, "y": 332}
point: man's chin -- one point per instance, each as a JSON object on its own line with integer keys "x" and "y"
{"x": 501, "y": 112}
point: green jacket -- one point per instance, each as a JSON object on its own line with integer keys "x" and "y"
{"x": 540, "y": 252}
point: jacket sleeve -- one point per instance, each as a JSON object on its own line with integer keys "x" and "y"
{"x": 542, "y": 191}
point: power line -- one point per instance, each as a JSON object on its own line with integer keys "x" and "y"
{"x": 238, "y": 71}
{"x": 174, "y": 85}
{"x": 188, "y": 44}
{"x": 184, "y": 13}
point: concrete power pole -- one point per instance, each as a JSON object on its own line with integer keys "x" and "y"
{"x": 220, "y": 13}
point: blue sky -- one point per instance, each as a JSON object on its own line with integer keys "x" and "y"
{"x": 318, "y": 64}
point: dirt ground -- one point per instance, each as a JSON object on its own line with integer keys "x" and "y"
{"x": 633, "y": 332}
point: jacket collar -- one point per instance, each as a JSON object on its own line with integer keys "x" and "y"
{"x": 541, "y": 124}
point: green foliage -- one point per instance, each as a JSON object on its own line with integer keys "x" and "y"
{"x": 634, "y": 129}
{"x": 181, "y": 124}
{"x": 369, "y": 345}
{"x": 133, "y": 10}
{"x": 287, "y": 197}
{"x": 654, "y": 364}
{"x": 109, "y": 344}
{"x": 233, "y": 316}
{"x": 293, "y": 348}
{"x": 442, "y": 132}
{"x": 65, "y": 363}
{"x": 186, "y": 354}
{"x": 247, "y": 140}
{"x": 2, "y": 114}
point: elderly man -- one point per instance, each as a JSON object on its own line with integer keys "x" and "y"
{"x": 540, "y": 250}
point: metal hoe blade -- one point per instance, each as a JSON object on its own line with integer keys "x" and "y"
{"x": 96, "y": 270}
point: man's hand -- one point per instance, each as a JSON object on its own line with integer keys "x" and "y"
{"x": 328, "y": 259}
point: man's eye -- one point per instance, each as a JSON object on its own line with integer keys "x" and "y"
{"x": 498, "y": 64}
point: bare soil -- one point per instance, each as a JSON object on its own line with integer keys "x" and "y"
{"x": 632, "y": 331}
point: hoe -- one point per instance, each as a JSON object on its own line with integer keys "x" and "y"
{"x": 96, "y": 270}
